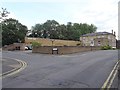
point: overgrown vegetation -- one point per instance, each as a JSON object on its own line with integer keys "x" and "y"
{"x": 107, "y": 47}
{"x": 36, "y": 44}
{"x": 78, "y": 44}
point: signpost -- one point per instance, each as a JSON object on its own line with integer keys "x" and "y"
{"x": 55, "y": 50}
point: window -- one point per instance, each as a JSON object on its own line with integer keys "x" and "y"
{"x": 103, "y": 36}
{"x": 98, "y": 36}
{"x": 98, "y": 41}
{"x": 109, "y": 37}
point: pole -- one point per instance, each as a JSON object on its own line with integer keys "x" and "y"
{"x": 1, "y": 34}
{"x": 52, "y": 43}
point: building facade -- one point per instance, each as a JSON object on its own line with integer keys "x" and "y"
{"x": 99, "y": 39}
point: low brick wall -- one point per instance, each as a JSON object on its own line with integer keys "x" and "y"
{"x": 15, "y": 46}
{"x": 63, "y": 49}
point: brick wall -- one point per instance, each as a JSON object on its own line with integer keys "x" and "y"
{"x": 15, "y": 46}
{"x": 63, "y": 49}
{"x": 48, "y": 42}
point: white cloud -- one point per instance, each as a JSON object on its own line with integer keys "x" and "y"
{"x": 102, "y": 13}
{"x": 12, "y": 15}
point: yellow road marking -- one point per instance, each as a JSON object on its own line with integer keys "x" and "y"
{"x": 15, "y": 70}
{"x": 111, "y": 77}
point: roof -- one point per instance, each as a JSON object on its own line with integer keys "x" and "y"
{"x": 97, "y": 33}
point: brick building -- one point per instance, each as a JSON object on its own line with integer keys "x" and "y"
{"x": 99, "y": 39}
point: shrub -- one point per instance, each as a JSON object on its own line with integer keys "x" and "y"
{"x": 36, "y": 44}
{"x": 78, "y": 44}
{"x": 106, "y": 47}
{"x": 65, "y": 45}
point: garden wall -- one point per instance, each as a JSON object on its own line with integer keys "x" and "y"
{"x": 51, "y": 42}
{"x": 62, "y": 49}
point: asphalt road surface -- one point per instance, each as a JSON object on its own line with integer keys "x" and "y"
{"x": 80, "y": 70}
{"x": 9, "y": 64}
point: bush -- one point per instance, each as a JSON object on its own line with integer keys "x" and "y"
{"x": 65, "y": 45}
{"x": 36, "y": 44}
{"x": 106, "y": 47}
{"x": 78, "y": 44}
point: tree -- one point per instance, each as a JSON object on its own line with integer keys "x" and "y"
{"x": 13, "y": 31}
{"x": 62, "y": 30}
{"x": 85, "y": 28}
{"x": 37, "y": 30}
{"x": 3, "y": 14}
{"x": 53, "y": 30}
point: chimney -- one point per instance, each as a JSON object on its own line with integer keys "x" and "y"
{"x": 112, "y": 31}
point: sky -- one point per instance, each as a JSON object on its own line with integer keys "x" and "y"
{"x": 102, "y": 13}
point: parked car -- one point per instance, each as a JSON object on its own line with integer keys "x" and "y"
{"x": 26, "y": 48}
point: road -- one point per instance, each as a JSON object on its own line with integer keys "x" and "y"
{"x": 9, "y": 64}
{"x": 80, "y": 70}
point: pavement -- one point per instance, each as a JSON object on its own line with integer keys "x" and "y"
{"x": 86, "y": 70}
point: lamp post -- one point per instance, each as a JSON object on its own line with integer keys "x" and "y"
{"x": 52, "y": 41}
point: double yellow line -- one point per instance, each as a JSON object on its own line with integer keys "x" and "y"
{"x": 15, "y": 70}
{"x": 108, "y": 83}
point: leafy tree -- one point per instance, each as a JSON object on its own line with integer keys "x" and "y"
{"x": 62, "y": 31}
{"x": 45, "y": 34}
{"x": 13, "y": 31}
{"x": 3, "y": 14}
{"x": 52, "y": 29}
{"x": 37, "y": 30}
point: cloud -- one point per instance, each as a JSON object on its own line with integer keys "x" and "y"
{"x": 12, "y": 15}
{"x": 102, "y": 13}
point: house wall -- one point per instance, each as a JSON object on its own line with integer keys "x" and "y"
{"x": 104, "y": 39}
{"x": 101, "y": 41}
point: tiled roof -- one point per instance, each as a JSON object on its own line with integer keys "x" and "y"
{"x": 97, "y": 33}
